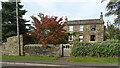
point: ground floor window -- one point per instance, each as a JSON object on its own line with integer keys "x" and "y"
{"x": 92, "y": 37}
{"x": 70, "y": 28}
{"x": 81, "y": 38}
{"x": 70, "y": 38}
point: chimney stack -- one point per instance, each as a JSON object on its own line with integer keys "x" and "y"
{"x": 101, "y": 16}
{"x": 13, "y": 0}
{"x": 66, "y": 19}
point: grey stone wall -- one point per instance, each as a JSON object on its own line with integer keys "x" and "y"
{"x": 11, "y": 46}
{"x": 39, "y": 50}
{"x": 99, "y": 32}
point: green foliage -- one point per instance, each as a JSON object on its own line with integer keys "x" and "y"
{"x": 112, "y": 32}
{"x": 112, "y": 8}
{"x": 109, "y": 41}
{"x": 63, "y": 40}
{"x": 9, "y": 25}
{"x": 29, "y": 39}
{"x": 9, "y": 12}
{"x": 8, "y": 30}
{"x": 31, "y": 57}
{"x": 0, "y": 26}
{"x": 96, "y": 50}
{"x": 94, "y": 59}
{"x": 74, "y": 33}
{"x": 78, "y": 42}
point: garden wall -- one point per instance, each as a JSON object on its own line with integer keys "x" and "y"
{"x": 11, "y": 46}
{"x": 39, "y": 50}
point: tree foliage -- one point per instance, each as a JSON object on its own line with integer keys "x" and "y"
{"x": 0, "y": 27}
{"x": 112, "y": 32}
{"x": 9, "y": 25}
{"x": 48, "y": 29}
{"x": 113, "y": 9}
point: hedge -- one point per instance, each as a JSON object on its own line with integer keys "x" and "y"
{"x": 96, "y": 50}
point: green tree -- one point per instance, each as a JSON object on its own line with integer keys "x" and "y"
{"x": 0, "y": 27}
{"x": 113, "y": 9}
{"x": 112, "y": 32}
{"x": 9, "y": 25}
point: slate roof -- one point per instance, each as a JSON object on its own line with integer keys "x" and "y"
{"x": 85, "y": 22}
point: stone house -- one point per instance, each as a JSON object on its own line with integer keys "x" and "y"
{"x": 87, "y": 30}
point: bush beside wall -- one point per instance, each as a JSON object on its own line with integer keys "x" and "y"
{"x": 96, "y": 50}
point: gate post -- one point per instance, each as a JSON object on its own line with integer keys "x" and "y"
{"x": 61, "y": 50}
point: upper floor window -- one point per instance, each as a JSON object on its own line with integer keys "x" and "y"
{"x": 93, "y": 27}
{"x": 81, "y": 28}
{"x": 70, "y": 28}
{"x": 70, "y": 38}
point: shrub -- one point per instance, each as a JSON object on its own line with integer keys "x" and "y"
{"x": 96, "y": 50}
{"x": 109, "y": 41}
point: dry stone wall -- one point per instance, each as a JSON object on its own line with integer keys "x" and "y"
{"x": 39, "y": 50}
{"x": 11, "y": 46}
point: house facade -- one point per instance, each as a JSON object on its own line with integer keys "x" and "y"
{"x": 90, "y": 30}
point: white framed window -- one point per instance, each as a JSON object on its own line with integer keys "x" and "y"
{"x": 81, "y": 38}
{"x": 70, "y": 38}
{"x": 70, "y": 28}
{"x": 81, "y": 28}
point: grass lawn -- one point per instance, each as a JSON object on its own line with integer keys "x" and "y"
{"x": 31, "y": 57}
{"x": 94, "y": 59}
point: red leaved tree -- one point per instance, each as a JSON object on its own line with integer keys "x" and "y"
{"x": 48, "y": 29}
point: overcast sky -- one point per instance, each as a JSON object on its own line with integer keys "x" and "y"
{"x": 73, "y": 9}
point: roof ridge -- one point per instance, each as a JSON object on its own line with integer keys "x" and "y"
{"x": 84, "y": 20}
